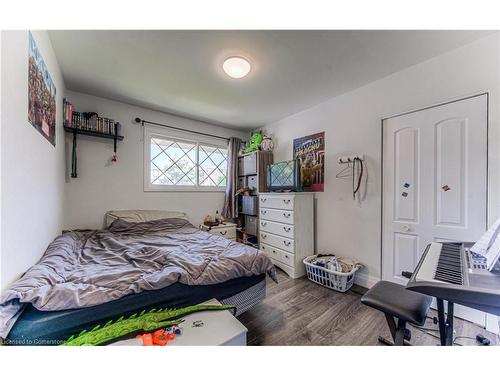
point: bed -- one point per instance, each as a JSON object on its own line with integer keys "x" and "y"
{"x": 138, "y": 262}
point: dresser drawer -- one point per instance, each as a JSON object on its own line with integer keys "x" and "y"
{"x": 271, "y": 251}
{"x": 229, "y": 233}
{"x": 283, "y": 243}
{"x": 281, "y": 216}
{"x": 273, "y": 227}
{"x": 279, "y": 255}
{"x": 288, "y": 258}
{"x": 282, "y": 202}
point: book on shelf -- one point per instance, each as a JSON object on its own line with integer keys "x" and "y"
{"x": 89, "y": 121}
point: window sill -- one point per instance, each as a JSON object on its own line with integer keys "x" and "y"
{"x": 183, "y": 189}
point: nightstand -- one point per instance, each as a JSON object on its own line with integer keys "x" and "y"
{"x": 227, "y": 230}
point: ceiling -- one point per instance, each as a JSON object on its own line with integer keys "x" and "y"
{"x": 180, "y": 71}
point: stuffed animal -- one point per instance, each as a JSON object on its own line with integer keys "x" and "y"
{"x": 254, "y": 143}
{"x": 267, "y": 144}
{"x": 308, "y": 169}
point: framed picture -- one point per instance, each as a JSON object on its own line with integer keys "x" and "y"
{"x": 310, "y": 151}
{"x": 41, "y": 94}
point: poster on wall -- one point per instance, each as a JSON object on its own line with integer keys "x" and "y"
{"x": 41, "y": 94}
{"x": 310, "y": 151}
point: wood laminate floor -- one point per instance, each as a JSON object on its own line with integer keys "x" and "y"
{"x": 299, "y": 312}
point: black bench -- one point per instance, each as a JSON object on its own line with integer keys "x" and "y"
{"x": 396, "y": 302}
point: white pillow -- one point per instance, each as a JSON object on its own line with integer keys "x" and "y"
{"x": 139, "y": 216}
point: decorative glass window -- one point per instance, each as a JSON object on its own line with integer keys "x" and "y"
{"x": 180, "y": 164}
{"x": 212, "y": 166}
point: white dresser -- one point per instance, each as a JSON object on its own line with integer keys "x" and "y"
{"x": 286, "y": 229}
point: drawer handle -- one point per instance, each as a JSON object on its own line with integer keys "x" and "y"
{"x": 263, "y": 235}
{"x": 263, "y": 223}
{"x": 287, "y": 229}
{"x": 286, "y": 214}
{"x": 223, "y": 233}
{"x": 274, "y": 251}
{"x": 286, "y": 201}
{"x": 287, "y": 243}
{"x": 263, "y": 200}
{"x": 286, "y": 256}
{"x": 263, "y": 212}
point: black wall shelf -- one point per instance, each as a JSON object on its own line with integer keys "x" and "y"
{"x": 92, "y": 133}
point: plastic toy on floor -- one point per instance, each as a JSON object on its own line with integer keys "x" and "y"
{"x": 147, "y": 339}
{"x": 157, "y": 338}
{"x": 144, "y": 321}
{"x": 160, "y": 337}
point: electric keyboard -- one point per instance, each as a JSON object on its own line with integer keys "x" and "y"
{"x": 449, "y": 271}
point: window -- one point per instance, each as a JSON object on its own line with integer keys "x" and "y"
{"x": 212, "y": 166}
{"x": 173, "y": 163}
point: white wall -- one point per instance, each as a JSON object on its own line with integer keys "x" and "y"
{"x": 32, "y": 184}
{"x": 353, "y": 125}
{"x": 102, "y": 186}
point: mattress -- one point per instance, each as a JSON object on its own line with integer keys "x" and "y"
{"x": 35, "y": 327}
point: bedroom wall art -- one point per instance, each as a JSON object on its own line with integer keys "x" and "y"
{"x": 41, "y": 94}
{"x": 310, "y": 150}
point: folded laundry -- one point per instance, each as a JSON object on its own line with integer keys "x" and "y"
{"x": 334, "y": 263}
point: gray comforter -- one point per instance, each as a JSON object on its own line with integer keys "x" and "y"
{"x": 85, "y": 268}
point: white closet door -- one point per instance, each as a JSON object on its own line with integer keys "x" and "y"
{"x": 435, "y": 183}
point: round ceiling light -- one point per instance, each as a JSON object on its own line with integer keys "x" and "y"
{"x": 236, "y": 67}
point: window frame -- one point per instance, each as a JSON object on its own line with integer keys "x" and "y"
{"x": 172, "y": 135}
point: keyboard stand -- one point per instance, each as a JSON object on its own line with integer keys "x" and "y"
{"x": 445, "y": 323}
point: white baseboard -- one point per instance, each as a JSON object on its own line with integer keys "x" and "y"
{"x": 365, "y": 280}
{"x": 492, "y": 324}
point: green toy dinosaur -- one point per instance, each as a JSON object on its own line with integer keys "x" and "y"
{"x": 147, "y": 322}
{"x": 254, "y": 143}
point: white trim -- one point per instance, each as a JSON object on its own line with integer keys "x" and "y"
{"x": 493, "y": 323}
{"x": 365, "y": 280}
{"x": 151, "y": 132}
{"x": 440, "y": 103}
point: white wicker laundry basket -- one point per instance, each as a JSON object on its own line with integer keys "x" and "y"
{"x": 339, "y": 281}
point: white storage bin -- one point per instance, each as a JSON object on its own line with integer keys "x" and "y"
{"x": 338, "y": 281}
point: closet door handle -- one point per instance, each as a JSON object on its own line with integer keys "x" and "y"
{"x": 286, "y": 214}
{"x": 287, "y": 229}
{"x": 287, "y": 243}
